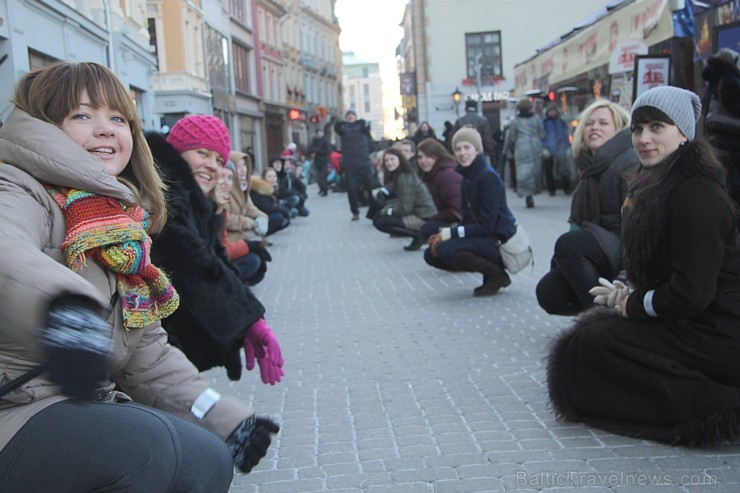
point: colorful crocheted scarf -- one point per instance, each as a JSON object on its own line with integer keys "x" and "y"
{"x": 115, "y": 236}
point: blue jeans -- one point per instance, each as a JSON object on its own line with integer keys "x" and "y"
{"x": 250, "y": 268}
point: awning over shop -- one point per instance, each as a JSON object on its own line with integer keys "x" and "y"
{"x": 628, "y": 29}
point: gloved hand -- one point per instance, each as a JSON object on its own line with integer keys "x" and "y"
{"x": 260, "y": 225}
{"x": 259, "y": 249}
{"x": 607, "y": 292}
{"x": 76, "y": 345}
{"x": 249, "y": 442}
{"x": 260, "y": 344}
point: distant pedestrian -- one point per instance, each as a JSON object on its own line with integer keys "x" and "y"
{"x": 425, "y": 131}
{"x": 447, "y": 135}
{"x": 319, "y": 151}
{"x": 556, "y": 156}
{"x": 357, "y": 144}
{"x": 525, "y": 140}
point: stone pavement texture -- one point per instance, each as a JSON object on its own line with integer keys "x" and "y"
{"x": 398, "y": 380}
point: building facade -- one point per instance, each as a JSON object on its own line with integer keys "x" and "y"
{"x": 35, "y": 34}
{"x": 363, "y": 92}
{"x": 474, "y": 55}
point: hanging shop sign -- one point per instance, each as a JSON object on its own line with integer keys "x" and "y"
{"x": 623, "y": 57}
{"x": 641, "y": 21}
{"x": 650, "y": 71}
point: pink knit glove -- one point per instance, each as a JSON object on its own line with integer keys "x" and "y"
{"x": 260, "y": 344}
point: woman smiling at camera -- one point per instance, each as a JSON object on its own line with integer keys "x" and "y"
{"x": 660, "y": 360}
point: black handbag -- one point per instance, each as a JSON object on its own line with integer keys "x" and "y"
{"x": 718, "y": 119}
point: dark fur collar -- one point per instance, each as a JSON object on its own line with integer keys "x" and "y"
{"x": 178, "y": 176}
{"x": 646, "y": 209}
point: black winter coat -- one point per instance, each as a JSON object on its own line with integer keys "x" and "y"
{"x": 673, "y": 375}
{"x": 357, "y": 143}
{"x": 216, "y": 307}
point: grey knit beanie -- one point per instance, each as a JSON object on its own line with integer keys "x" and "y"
{"x": 681, "y": 106}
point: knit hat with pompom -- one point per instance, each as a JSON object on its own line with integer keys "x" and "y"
{"x": 201, "y": 132}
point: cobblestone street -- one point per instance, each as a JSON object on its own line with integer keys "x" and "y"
{"x": 399, "y": 380}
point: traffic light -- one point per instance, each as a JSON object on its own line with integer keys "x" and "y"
{"x": 551, "y": 95}
{"x": 294, "y": 114}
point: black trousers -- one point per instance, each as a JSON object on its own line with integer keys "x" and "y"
{"x": 320, "y": 172}
{"x": 577, "y": 264}
{"x": 357, "y": 179}
{"x": 74, "y": 446}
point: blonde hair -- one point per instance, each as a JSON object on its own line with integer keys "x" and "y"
{"x": 51, "y": 93}
{"x": 619, "y": 115}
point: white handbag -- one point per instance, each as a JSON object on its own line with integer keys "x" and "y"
{"x": 517, "y": 251}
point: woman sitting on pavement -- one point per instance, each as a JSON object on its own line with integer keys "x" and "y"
{"x": 470, "y": 246}
{"x": 591, "y": 249}
{"x": 290, "y": 190}
{"x": 245, "y": 220}
{"x": 219, "y": 314}
{"x": 250, "y": 257}
{"x": 413, "y": 204}
{"x": 437, "y": 171}
{"x": 94, "y": 399}
{"x": 262, "y": 193}
{"x": 660, "y": 361}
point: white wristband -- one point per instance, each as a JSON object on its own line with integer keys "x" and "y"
{"x": 204, "y": 403}
{"x": 445, "y": 234}
{"x": 647, "y": 303}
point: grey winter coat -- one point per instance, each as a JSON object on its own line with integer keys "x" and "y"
{"x": 525, "y": 138}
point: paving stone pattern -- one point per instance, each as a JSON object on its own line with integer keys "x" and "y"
{"x": 399, "y": 380}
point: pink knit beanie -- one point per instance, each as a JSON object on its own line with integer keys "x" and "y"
{"x": 201, "y": 132}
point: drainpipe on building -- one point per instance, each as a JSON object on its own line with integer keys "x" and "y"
{"x": 109, "y": 28}
{"x": 477, "y": 84}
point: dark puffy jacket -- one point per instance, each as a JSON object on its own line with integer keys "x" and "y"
{"x": 357, "y": 143}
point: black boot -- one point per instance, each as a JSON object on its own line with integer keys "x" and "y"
{"x": 417, "y": 241}
{"x": 530, "y": 202}
{"x": 415, "y": 244}
{"x": 494, "y": 276}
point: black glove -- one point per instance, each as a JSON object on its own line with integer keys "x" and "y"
{"x": 249, "y": 442}
{"x": 259, "y": 249}
{"x": 76, "y": 344}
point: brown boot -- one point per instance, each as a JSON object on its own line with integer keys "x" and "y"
{"x": 494, "y": 277}
{"x": 492, "y": 285}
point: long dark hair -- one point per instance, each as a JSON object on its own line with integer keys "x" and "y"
{"x": 390, "y": 177}
{"x": 645, "y": 216}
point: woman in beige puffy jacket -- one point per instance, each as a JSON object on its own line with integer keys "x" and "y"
{"x": 93, "y": 398}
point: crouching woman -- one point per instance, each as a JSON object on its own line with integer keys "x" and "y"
{"x": 471, "y": 246}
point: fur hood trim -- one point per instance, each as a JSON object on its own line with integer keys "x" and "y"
{"x": 260, "y": 186}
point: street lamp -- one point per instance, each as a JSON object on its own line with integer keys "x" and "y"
{"x": 456, "y": 97}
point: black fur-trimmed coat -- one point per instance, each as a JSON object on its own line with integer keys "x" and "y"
{"x": 216, "y": 307}
{"x": 674, "y": 377}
